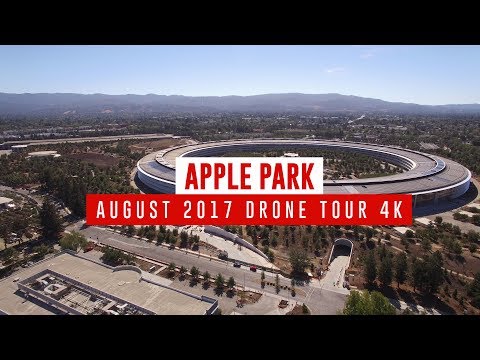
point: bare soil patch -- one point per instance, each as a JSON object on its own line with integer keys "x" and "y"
{"x": 297, "y": 310}
{"x": 97, "y": 159}
{"x": 249, "y": 297}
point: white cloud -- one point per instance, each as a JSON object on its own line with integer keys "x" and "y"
{"x": 334, "y": 70}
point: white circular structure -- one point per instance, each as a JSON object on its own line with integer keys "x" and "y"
{"x": 428, "y": 178}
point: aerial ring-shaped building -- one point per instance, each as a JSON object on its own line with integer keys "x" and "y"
{"x": 428, "y": 178}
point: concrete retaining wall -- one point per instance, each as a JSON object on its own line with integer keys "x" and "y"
{"x": 128, "y": 267}
{"x": 215, "y": 230}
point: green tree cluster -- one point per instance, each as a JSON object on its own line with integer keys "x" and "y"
{"x": 368, "y": 303}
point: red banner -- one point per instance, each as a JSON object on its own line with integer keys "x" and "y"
{"x": 351, "y": 209}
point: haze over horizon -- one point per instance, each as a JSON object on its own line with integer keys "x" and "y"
{"x": 426, "y": 75}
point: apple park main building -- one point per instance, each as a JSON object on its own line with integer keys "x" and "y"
{"x": 429, "y": 178}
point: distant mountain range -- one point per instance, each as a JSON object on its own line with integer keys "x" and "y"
{"x": 67, "y": 104}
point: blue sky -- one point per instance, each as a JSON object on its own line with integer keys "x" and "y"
{"x": 419, "y": 74}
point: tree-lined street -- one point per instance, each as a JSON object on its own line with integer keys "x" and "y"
{"x": 320, "y": 301}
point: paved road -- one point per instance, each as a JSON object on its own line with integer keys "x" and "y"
{"x": 320, "y": 301}
{"x": 448, "y": 217}
{"x": 92, "y": 138}
{"x": 334, "y": 277}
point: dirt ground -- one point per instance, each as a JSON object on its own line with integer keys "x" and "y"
{"x": 297, "y": 310}
{"x": 208, "y": 249}
{"x": 98, "y": 159}
{"x": 249, "y": 296}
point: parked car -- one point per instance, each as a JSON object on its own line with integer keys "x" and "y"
{"x": 253, "y": 268}
{"x": 237, "y": 264}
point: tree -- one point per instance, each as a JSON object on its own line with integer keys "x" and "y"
{"x": 183, "y": 239}
{"x": 219, "y": 281}
{"x": 476, "y": 219}
{"x": 426, "y": 244}
{"x": 191, "y": 240}
{"x": 434, "y": 272}
{"x": 409, "y": 234}
{"x": 10, "y": 255}
{"x": 40, "y": 251}
{"x": 183, "y": 270}
{"x": 160, "y": 238}
{"x": 50, "y": 221}
{"x": 262, "y": 275}
{"x": 369, "y": 233}
{"x": 206, "y": 277}
{"x": 385, "y": 271}
{"x": 456, "y": 230}
{"x": 401, "y": 268}
{"x": 305, "y": 309}
{"x": 457, "y": 247}
{"x": 130, "y": 230}
{"x": 472, "y": 247}
{"x": 171, "y": 268}
{"x": 73, "y": 241}
{"x": 382, "y": 252}
{"x": 367, "y": 303}
{"x": 169, "y": 239}
{"x": 299, "y": 260}
{"x": 150, "y": 232}
{"x": 5, "y": 230}
{"x": 115, "y": 257}
{"x": 460, "y": 217}
{"x": 277, "y": 283}
{"x": 418, "y": 271}
{"x": 194, "y": 272}
{"x": 231, "y": 282}
{"x": 141, "y": 231}
{"x": 388, "y": 236}
{"x": 370, "y": 270}
{"x": 472, "y": 236}
{"x": 427, "y": 275}
{"x": 474, "y": 290}
{"x": 452, "y": 245}
{"x": 438, "y": 220}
